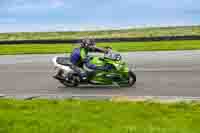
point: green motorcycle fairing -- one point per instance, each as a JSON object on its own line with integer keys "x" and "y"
{"x": 118, "y": 73}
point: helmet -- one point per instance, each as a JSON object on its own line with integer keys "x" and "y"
{"x": 88, "y": 43}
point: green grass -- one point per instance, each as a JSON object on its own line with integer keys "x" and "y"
{"x": 74, "y": 116}
{"x": 140, "y": 32}
{"x": 121, "y": 47}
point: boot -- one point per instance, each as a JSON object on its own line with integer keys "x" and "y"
{"x": 59, "y": 75}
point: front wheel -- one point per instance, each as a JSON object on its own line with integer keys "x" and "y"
{"x": 131, "y": 78}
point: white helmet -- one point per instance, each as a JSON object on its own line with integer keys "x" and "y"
{"x": 88, "y": 43}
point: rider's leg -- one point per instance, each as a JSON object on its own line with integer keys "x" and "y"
{"x": 80, "y": 72}
{"x": 95, "y": 67}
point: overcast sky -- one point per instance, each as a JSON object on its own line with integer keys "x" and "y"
{"x": 51, "y": 15}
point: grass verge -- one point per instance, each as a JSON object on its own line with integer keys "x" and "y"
{"x": 74, "y": 116}
{"x": 121, "y": 47}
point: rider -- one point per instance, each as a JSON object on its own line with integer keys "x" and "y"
{"x": 79, "y": 57}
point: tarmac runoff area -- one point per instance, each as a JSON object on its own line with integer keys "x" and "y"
{"x": 171, "y": 75}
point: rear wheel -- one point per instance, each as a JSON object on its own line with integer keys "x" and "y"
{"x": 131, "y": 78}
{"x": 72, "y": 80}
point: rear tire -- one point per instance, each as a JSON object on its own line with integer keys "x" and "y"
{"x": 73, "y": 81}
{"x": 131, "y": 78}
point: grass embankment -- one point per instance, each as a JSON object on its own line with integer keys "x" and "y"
{"x": 73, "y": 116}
{"x": 140, "y": 32}
{"x": 121, "y": 47}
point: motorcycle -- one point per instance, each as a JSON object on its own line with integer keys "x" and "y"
{"x": 118, "y": 72}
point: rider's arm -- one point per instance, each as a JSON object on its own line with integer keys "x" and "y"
{"x": 96, "y": 49}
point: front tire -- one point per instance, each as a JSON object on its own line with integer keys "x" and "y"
{"x": 131, "y": 78}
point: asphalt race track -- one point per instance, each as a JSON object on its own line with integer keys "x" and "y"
{"x": 158, "y": 74}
